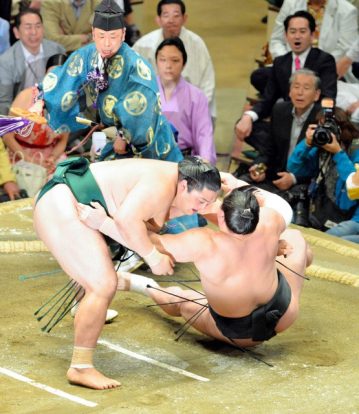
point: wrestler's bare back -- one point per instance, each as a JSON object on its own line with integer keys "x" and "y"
{"x": 153, "y": 181}
{"x": 238, "y": 272}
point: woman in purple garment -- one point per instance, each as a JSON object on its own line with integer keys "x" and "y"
{"x": 183, "y": 104}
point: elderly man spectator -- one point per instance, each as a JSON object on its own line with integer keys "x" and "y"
{"x": 288, "y": 126}
{"x": 299, "y": 29}
{"x": 171, "y": 17}
{"x": 24, "y": 63}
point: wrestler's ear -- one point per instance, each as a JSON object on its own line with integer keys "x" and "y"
{"x": 220, "y": 217}
{"x": 182, "y": 186}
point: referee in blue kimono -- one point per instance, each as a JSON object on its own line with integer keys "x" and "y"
{"x": 111, "y": 78}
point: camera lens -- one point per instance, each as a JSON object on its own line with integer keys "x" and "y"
{"x": 321, "y": 136}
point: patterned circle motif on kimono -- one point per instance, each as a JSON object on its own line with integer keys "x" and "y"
{"x": 167, "y": 149}
{"x": 135, "y": 103}
{"x": 150, "y": 135}
{"x": 49, "y": 82}
{"x": 158, "y": 107}
{"x": 143, "y": 70}
{"x": 75, "y": 65}
{"x": 115, "y": 67}
{"x": 108, "y": 105}
{"x": 68, "y": 101}
{"x": 63, "y": 129}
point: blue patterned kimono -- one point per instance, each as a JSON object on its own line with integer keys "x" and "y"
{"x": 131, "y": 99}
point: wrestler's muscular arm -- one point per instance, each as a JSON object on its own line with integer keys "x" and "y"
{"x": 140, "y": 205}
{"x": 189, "y": 246}
{"x": 128, "y": 224}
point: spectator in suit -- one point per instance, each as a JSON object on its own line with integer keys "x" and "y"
{"x": 171, "y": 17}
{"x": 69, "y": 22}
{"x": 299, "y": 29}
{"x": 24, "y": 63}
{"x": 289, "y": 122}
{"x": 336, "y": 26}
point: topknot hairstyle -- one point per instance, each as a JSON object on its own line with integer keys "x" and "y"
{"x": 241, "y": 210}
{"x": 199, "y": 174}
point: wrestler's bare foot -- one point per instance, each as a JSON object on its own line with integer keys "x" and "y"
{"x": 90, "y": 378}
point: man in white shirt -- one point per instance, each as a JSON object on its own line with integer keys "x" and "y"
{"x": 24, "y": 63}
{"x": 171, "y": 17}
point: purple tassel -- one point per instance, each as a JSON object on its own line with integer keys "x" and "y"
{"x": 100, "y": 79}
{"x": 12, "y": 123}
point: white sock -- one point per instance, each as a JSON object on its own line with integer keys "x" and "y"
{"x": 139, "y": 283}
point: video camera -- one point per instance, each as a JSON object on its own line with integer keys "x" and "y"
{"x": 328, "y": 126}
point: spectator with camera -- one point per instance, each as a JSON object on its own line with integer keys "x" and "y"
{"x": 289, "y": 121}
{"x": 327, "y": 156}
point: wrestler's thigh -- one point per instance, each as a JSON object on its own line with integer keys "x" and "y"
{"x": 293, "y": 271}
{"x": 199, "y": 316}
{"x": 80, "y": 251}
{"x": 297, "y": 258}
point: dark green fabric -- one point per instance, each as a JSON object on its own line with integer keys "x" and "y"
{"x": 76, "y": 174}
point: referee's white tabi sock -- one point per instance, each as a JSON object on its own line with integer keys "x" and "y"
{"x": 136, "y": 283}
